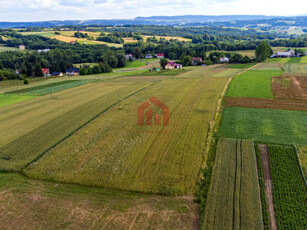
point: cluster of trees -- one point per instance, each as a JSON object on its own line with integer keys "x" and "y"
{"x": 80, "y": 35}
{"x": 101, "y": 68}
{"x": 8, "y": 74}
{"x": 110, "y": 38}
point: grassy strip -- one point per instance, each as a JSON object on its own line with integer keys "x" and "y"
{"x": 294, "y": 60}
{"x": 264, "y": 204}
{"x": 13, "y": 99}
{"x": 302, "y": 154}
{"x": 50, "y": 88}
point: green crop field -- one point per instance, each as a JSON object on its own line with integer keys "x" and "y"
{"x": 35, "y": 204}
{"x": 302, "y": 155}
{"x": 234, "y": 195}
{"x": 276, "y": 126}
{"x": 304, "y": 59}
{"x": 6, "y": 99}
{"x": 122, "y": 155}
{"x": 295, "y": 68}
{"x": 253, "y": 83}
{"x": 50, "y": 88}
{"x": 44, "y": 34}
{"x": 289, "y": 189}
{"x": 18, "y": 150}
{"x": 294, "y": 60}
{"x": 135, "y": 64}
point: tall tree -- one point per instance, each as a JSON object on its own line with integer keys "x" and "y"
{"x": 163, "y": 63}
{"x": 263, "y": 51}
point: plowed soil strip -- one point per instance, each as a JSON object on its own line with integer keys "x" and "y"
{"x": 291, "y": 87}
{"x": 268, "y": 183}
{"x": 266, "y": 103}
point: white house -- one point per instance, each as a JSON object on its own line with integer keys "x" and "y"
{"x": 287, "y": 54}
{"x": 224, "y": 59}
{"x": 129, "y": 56}
{"x": 148, "y": 56}
{"x": 43, "y": 51}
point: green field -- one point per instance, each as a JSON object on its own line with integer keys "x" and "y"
{"x": 159, "y": 159}
{"x": 302, "y": 155}
{"x": 234, "y": 196}
{"x": 276, "y": 126}
{"x": 289, "y": 189}
{"x": 304, "y": 59}
{"x": 6, "y": 99}
{"x": 295, "y": 68}
{"x": 6, "y": 48}
{"x": 51, "y": 87}
{"x": 35, "y": 204}
{"x": 135, "y": 64}
{"x": 44, "y": 34}
{"x": 253, "y": 83}
{"x": 294, "y": 60}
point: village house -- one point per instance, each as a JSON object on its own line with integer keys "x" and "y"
{"x": 58, "y": 74}
{"x": 224, "y": 59}
{"x": 22, "y": 47}
{"x": 73, "y": 71}
{"x": 43, "y": 51}
{"x": 195, "y": 60}
{"x": 173, "y": 65}
{"x": 160, "y": 55}
{"x": 148, "y": 56}
{"x": 45, "y": 71}
{"x": 286, "y": 54}
{"x": 129, "y": 56}
{"x": 72, "y": 42}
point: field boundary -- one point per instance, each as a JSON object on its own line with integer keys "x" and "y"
{"x": 80, "y": 127}
{"x": 299, "y": 163}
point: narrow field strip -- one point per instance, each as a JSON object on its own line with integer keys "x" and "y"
{"x": 265, "y": 103}
{"x": 13, "y": 99}
{"x": 234, "y": 195}
{"x": 31, "y": 146}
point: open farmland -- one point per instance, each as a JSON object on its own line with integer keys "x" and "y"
{"x": 253, "y": 83}
{"x": 21, "y": 146}
{"x": 120, "y": 154}
{"x": 35, "y": 204}
{"x": 302, "y": 155}
{"x": 293, "y": 68}
{"x": 234, "y": 195}
{"x": 271, "y": 125}
{"x": 289, "y": 189}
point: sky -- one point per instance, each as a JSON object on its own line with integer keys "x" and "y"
{"x": 43, "y": 10}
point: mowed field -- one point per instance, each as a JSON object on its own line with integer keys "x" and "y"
{"x": 33, "y": 204}
{"x": 234, "y": 195}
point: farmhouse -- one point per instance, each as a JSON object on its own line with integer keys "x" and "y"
{"x": 72, "y": 42}
{"x": 58, "y": 74}
{"x": 43, "y": 51}
{"x": 22, "y": 47}
{"x": 148, "y": 56}
{"x": 173, "y": 65}
{"x": 129, "y": 56}
{"x": 45, "y": 71}
{"x": 73, "y": 71}
{"x": 160, "y": 55}
{"x": 224, "y": 59}
{"x": 287, "y": 54}
{"x": 195, "y": 60}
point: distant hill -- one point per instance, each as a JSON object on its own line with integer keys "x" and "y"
{"x": 185, "y": 20}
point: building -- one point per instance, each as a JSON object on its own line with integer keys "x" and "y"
{"x": 45, "y": 71}
{"x": 173, "y": 65}
{"x": 58, "y": 74}
{"x": 72, "y": 42}
{"x": 286, "y": 54}
{"x": 129, "y": 56}
{"x": 160, "y": 55}
{"x": 43, "y": 51}
{"x": 195, "y": 60}
{"x": 148, "y": 56}
{"x": 22, "y": 47}
{"x": 224, "y": 59}
{"x": 73, "y": 71}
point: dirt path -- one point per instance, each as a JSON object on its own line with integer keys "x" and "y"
{"x": 268, "y": 183}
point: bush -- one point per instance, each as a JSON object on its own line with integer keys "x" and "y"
{"x": 26, "y": 81}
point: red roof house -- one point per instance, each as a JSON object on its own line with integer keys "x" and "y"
{"x": 160, "y": 55}
{"x": 45, "y": 71}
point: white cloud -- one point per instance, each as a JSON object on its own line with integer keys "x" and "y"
{"x": 30, "y": 10}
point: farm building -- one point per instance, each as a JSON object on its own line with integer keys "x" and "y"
{"x": 129, "y": 56}
{"x": 43, "y": 51}
{"x": 224, "y": 59}
{"x": 160, "y": 55}
{"x": 22, "y": 47}
{"x": 173, "y": 65}
{"x": 73, "y": 71}
{"x": 72, "y": 42}
{"x": 148, "y": 56}
{"x": 58, "y": 74}
{"x": 195, "y": 60}
{"x": 287, "y": 54}
{"x": 45, "y": 71}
